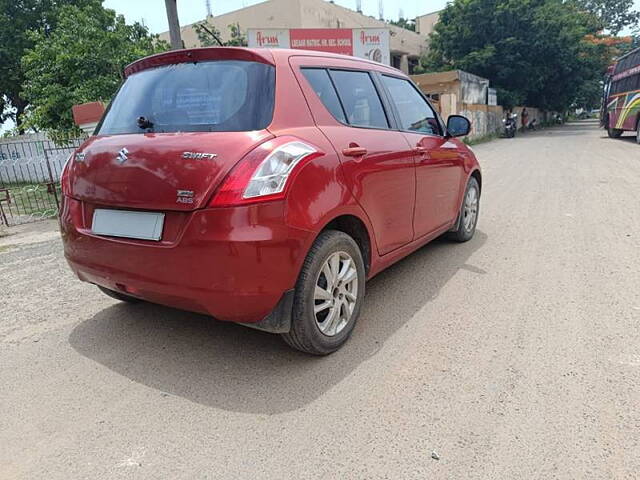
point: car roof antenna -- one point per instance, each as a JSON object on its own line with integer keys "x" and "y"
{"x": 215, "y": 37}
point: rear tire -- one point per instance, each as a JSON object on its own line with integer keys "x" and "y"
{"x": 326, "y": 306}
{"x": 118, "y": 296}
{"x": 613, "y": 132}
{"x": 469, "y": 212}
{"x": 638, "y": 132}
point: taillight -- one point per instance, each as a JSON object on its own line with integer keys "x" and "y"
{"x": 264, "y": 173}
{"x": 64, "y": 175}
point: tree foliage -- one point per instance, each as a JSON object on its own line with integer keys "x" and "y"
{"x": 209, "y": 36}
{"x": 633, "y": 42}
{"x": 612, "y": 15}
{"x": 405, "y": 23}
{"x": 534, "y": 51}
{"x": 17, "y": 19}
{"x": 80, "y": 60}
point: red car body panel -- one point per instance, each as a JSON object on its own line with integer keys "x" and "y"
{"x": 232, "y": 263}
{"x": 155, "y": 162}
{"x": 236, "y": 262}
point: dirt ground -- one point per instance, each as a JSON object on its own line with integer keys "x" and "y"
{"x": 516, "y": 355}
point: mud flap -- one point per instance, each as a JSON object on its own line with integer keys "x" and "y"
{"x": 279, "y": 320}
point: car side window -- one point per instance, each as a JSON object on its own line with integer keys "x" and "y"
{"x": 321, "y": 83}
{"x": 416, "y": 115}
{"x": 360, "y": 99}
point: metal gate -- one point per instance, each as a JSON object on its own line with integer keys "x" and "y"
{"x": 30, "y": 180}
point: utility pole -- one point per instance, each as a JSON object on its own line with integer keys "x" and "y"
{"x": 174, "y": 24}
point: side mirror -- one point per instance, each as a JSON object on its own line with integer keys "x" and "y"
{"x": 458, "y": 126}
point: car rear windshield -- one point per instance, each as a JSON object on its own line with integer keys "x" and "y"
{"x": 214, "y": 96}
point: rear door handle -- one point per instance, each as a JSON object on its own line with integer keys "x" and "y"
{"x": 354, "y": 152}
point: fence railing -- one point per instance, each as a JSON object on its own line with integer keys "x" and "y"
{"x": 30, "y": 179}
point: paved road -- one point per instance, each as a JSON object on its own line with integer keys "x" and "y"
{"x": 516, "y": 355}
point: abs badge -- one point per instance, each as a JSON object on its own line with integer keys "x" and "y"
{"x": 184, "y": 196}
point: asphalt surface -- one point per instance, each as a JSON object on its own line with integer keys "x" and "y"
{"x": 515, "y": 355}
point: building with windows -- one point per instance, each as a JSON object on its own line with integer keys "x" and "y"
{"x": 406, "y": 46}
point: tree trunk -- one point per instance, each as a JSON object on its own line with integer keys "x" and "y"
{"x": 20, "y": 106}
{"x": 174, "y": 24}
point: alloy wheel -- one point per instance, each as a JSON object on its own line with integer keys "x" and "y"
{"x": 336, "y": 293}
{"x": 470, "y": 208}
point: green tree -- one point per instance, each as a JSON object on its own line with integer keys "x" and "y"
{"x": 405, "y": 23}
{"x": 632, "y": 44}
{"x": 237, "y": 37}
{"x": 534, "y": 51}
{"x": 612, "y": 15}
{"x": 80, "y": 60}
{"x": 209, "y": 36}
{"x": 17, "y": 18}
{"x": 589, "y": 96}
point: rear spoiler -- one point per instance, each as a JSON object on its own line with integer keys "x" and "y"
{"x": 198, "y": 55}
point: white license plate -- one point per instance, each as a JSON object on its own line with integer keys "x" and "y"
{"x": 128, "y": 224}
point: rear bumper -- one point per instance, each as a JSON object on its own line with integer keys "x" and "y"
{"x": 235, "y": 264}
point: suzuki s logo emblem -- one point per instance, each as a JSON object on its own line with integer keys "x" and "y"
{"x": 123, "y": 155}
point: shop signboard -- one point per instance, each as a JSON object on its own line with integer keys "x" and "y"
{"x": 370, "y": 43}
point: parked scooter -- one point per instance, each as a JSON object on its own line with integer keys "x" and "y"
{"x": 510, "y": 126}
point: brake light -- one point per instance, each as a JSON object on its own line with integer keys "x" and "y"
{"x": 64, "y": 175}
{"x": 264, "y": 173}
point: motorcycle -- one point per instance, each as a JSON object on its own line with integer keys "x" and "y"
{"x": 510, "y": 126}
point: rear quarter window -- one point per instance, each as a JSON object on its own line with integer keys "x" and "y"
{"x": 323, "y": 87}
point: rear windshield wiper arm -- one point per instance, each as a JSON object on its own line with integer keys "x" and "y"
{"x": 144, "y": 123}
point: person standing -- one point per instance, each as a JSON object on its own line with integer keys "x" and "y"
{"x": 524, "y": 117}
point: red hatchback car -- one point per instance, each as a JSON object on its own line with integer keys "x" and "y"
{"x": 264, "y": 187}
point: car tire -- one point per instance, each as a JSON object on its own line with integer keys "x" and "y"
{"x": 118, "y": 296}
{"x": 638, "y": 132}
{"x": 613, "y": 132}
{"x": 469, "y": 212}
{"x": 318, "y": 286}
